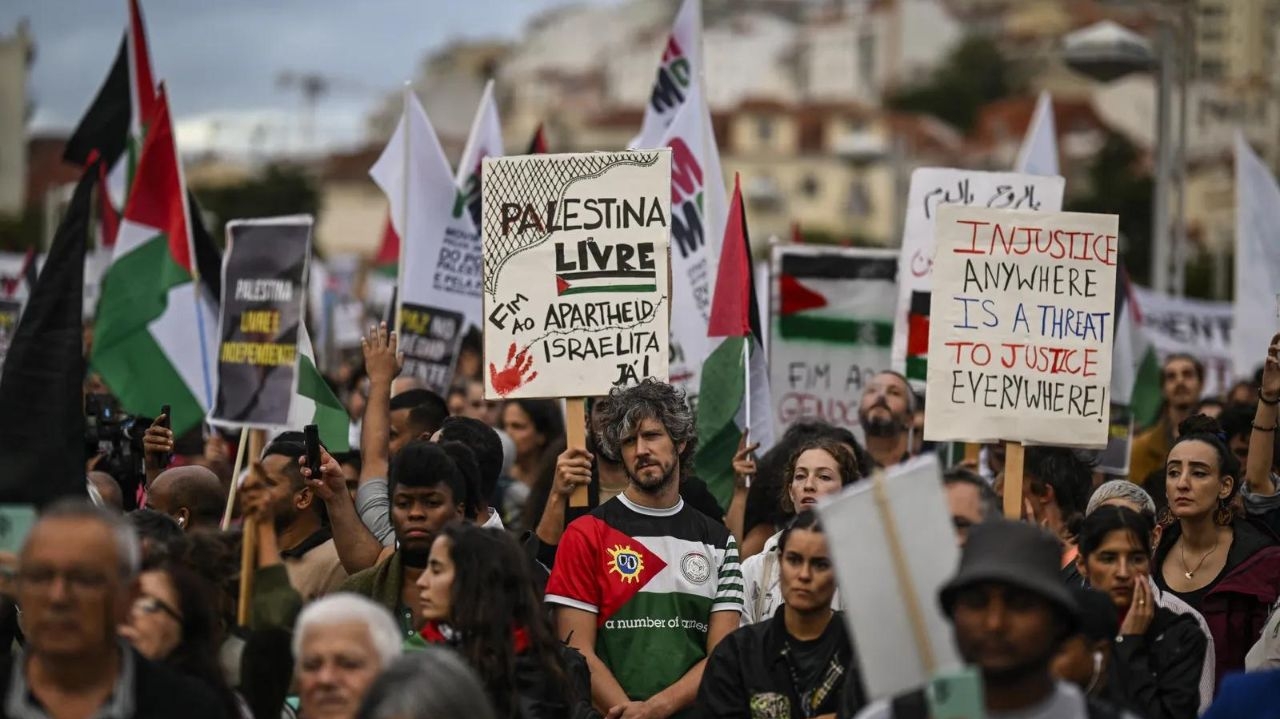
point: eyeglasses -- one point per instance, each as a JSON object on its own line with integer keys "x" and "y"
{"x": 152, "y": 605}
{"x": 78, "y": 581}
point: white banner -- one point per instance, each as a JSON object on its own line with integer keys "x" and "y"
{"x": 932, "y": 187}
{"x": 1021, "y": 328}
{"x": 575, "y": 272}
{"x": 1200, "y": 328}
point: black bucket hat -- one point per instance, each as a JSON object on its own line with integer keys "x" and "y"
{"x": 1016, "y": 554}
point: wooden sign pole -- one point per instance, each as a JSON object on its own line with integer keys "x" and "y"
{"x": 249, "y": 542}
{"x": 1013, "y": 460}
{"x": 575, "y": 423}
{"x": 242, "y": 448}
{"x": 919, "y": 628}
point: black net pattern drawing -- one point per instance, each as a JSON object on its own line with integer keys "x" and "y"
{"x": 538, "y": 183}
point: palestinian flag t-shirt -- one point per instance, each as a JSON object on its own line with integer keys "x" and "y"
{"x": 652, "y": 577}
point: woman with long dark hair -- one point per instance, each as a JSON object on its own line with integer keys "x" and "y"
{"x": 1158, "y": 665}
{"x": 820, "y": 467}
{"x": 478, "y": 597}
{"x": 1226, "y": 568}
{"x": 173, "y": 621}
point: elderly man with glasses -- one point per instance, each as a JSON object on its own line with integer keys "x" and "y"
{"x": 77, "y": 579}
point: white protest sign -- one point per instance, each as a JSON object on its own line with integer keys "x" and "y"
{"x": 575, "y": 272}
{"x": 1200, "y": 328}
{"x": 1021, "y": 330}
{"x": 893, "y": 548}
{"x": 832, "y": 324}
{"x": 932, "y": 187}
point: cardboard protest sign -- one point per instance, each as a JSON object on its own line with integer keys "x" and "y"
{"x": 575, "y": 272}
{"x": 429, "y": 339}
{"x": 263, "y": 294}
{"x": 832, "y": 329}
{"x": 931, "y": 188}
{"x": 1022, "y": 326}
{"x": 1200, "y": 328}
{"x": 893, "y": 548}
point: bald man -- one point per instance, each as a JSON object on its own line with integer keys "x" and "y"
{"x": 108, "y": 489}
{"x": 192, "y": 495}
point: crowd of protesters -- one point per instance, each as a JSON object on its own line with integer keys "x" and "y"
{"x": 440, "y": 570}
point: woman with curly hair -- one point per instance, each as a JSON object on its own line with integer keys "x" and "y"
{"x": 478, "y": 597}
{"x": 819, "y": 467}
{"x": 1226, "y": 568}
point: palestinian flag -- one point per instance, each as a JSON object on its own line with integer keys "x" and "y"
{"x": 605, "y": 281}
{"x": 727, "y": 404}
{"x": 1135, "y": 367}
{"x": 837, "y": 297}
{"x": 315, "y": 403}
{"x": 387, "y": 261}
{"x": 538, "y": 145}
{"x": 152, "y": 337}
{"x": 918, "y": 337}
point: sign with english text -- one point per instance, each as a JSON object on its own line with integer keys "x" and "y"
{"x": 264, "y": 275}
{"x": 576, "y": 286}
{"x": 832, "y": 326}
{"x": 1021, "y": 327}
{"x": 931, "y": 188}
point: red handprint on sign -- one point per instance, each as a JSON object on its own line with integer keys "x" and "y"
{"x": 513, "y": 376}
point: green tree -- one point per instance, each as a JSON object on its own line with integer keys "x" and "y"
{"x": 974, "y": 73}
{"x": 1117, "y": 186}
{"x": 279, "y": 190}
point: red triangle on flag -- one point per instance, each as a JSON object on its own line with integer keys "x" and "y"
{"x": 389, "y": 251}
{"x": 798, "y": 298}
{"x": 561, "y": 285}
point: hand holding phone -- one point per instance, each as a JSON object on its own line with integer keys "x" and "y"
{"x": 312, "y": 435}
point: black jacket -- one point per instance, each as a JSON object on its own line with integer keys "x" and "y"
{"x": 748, "y": 669}
{"x": 1157, "y": 675}
{"x": 159, "y": 692}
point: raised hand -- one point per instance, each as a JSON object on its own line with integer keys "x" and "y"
{"x": 744, "y": 461}
{"x": 329, "y": 483}
{"x": 515, "y": 374}
{"x": 382, "y": 361}
{"x": 1270, "y": 387}
{"x": 157, "y": 444}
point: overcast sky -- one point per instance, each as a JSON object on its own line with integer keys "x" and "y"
{"x": 221, "y": 58}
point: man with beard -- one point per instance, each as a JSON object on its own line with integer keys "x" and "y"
{"x": 301, "y": 531}
{"x": 886, "y": 413}
{"x": 646, "y": 586}
{"x": 1011, "y": 614}
{"x": 1181, "y": 382}
{"x": 427, "y": 492}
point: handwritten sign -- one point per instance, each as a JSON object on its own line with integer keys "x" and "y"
{"x": 575, "y": 272}
{"x": 931, "y": 188}
{"x": 263, "y": 293}
{"x": 1022, "y": 326}
{"x": 832, "y": 329}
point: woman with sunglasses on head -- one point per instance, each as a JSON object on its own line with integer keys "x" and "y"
{"x": 1226, "y": 568}
{"x": 1157, "y": 665}
{"x": 173, "y": 621}
{"x": 819, "y": 468}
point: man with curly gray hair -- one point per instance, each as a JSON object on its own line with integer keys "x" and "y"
{"x": 644, "y": 575}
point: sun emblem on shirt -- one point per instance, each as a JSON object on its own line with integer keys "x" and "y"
{"x": 626, "y": 562}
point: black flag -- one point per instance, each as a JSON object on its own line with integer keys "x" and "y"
{"x": 42, "y": 423}
{"x": 105, "y": 125}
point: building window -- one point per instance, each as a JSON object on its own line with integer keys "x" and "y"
{"x": 809, "y": 186}
{"x": 1211, "y": 69}
{"x": 859, "y": 203}
{"x": 867, "y": 59}
{"x": 764, "y": 129}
